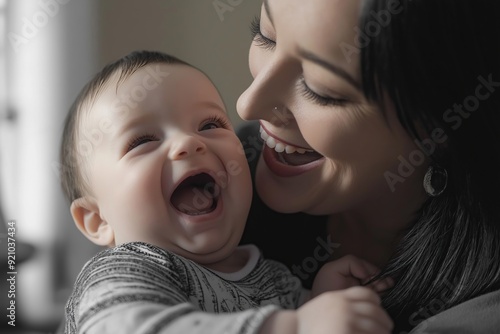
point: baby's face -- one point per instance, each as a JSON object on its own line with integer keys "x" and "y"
{"x": 169, "y": 169}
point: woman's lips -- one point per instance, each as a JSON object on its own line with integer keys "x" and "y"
{"x": 285, "y": 159}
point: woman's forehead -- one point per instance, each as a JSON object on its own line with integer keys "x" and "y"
{"x": 327, "y": 28}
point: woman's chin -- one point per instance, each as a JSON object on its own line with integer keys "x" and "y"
{"x": 281, "y": 193}
{"x": 276, "y": 198}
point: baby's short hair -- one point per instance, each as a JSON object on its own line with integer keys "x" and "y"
{"x": 71, "y": 175}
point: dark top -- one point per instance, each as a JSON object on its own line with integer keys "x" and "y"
{"x": 480, "y": 315}
{"x": 289, "y": 238}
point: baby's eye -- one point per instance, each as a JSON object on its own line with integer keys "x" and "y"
{"x": 138, "y": 141}
{"x": 214, "y": 122}
{"x": 209, "y": 126}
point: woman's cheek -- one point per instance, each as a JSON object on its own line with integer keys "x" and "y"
{"x": 323, "y": 135}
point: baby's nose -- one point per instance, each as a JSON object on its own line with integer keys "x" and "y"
{"x": 184, "y": 146}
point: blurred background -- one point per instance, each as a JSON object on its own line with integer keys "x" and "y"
{"x": 48, "y": 50}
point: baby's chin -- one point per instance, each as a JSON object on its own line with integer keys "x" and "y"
{"x": 204, "y": 250}
{"x": 208, "y": 254}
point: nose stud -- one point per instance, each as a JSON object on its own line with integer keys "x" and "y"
{"x": 281, "y": 116}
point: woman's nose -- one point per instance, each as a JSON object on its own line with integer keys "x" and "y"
{"x": 184, "y": 146}
{"x": 271, "y": 90}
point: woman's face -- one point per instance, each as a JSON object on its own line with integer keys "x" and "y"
{"x": 306, "y": 93}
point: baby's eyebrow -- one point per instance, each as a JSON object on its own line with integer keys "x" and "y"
{"x": 133, "y": 122}
{"x": 210, "y": 105}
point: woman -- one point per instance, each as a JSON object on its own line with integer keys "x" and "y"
{"x": 381, "y": 121}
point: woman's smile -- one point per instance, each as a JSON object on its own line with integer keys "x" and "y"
{"x": 285, "y": 159}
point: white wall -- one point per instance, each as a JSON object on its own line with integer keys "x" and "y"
{"x": 62, "y": 44}
{"x": 213, "y": 35}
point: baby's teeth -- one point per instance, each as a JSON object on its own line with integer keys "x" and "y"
{"x": 271, "y": 142}
{"x": 279, "y": 147}
{"x": 301, "y": 150}
{"x": 289, "y": 149}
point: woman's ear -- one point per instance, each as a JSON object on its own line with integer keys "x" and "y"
{"x": 86, "y": 215}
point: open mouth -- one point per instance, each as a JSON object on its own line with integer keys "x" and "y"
{"x": 289, "y": 154}
{"x": 196, "y": 195}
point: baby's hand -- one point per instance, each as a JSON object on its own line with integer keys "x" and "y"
{"x": 350, "y": 311}
{"x": 347, "y": 272}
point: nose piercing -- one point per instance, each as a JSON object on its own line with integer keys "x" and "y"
{"x": 280, "y": 115}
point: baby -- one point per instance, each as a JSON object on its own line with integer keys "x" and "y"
{"x": 155, "y": 172}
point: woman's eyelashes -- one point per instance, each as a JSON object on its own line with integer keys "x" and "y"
{"x": 140, "y": 140}
{"x": 309, "y": 94}
{"x": 257, "y": 36}
{"x": 266, "y": 43}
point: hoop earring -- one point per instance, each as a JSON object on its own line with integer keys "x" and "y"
{"x": 435, "y": 180}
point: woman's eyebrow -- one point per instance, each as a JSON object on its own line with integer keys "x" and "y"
{"x": 330, "y": 67}
{"x": 268, "y": 11}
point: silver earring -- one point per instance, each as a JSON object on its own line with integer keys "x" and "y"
{"x": 435, "y": 180}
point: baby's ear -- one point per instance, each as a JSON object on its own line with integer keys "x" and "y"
{"x": 85, "y": 212}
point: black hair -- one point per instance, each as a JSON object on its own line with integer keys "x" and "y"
{"x": 72, "y": 180}
{"x": 439, "y": 62}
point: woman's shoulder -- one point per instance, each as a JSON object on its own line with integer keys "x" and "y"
{"x": 480, "y": 315}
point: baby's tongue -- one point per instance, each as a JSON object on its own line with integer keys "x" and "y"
{"x": 192, "y": 200}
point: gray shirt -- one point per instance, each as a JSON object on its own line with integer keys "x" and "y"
{"x": 140, "y": 288}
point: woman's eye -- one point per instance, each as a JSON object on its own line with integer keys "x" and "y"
{"x": 257, "y": 36}
{"x": 138, "y": 141}
{"x": 309, "y": 94}
{"x": 214, "y": 122}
